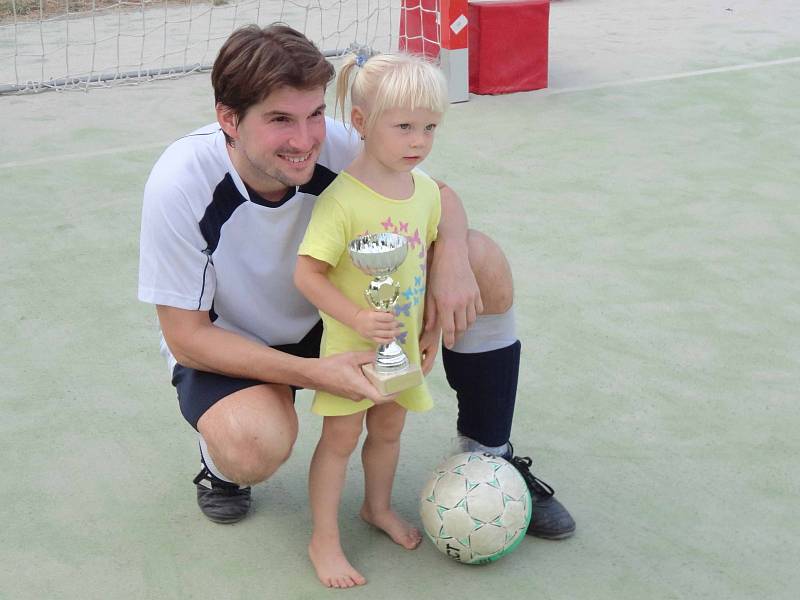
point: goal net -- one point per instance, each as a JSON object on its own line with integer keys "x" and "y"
{"x": 76, "y": 44}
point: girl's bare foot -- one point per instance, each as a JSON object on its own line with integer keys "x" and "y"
{"x": 399, "y": 530}
{"x": 332, "y": 567}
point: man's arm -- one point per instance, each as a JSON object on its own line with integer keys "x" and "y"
{"x": 453, "y": 297}
{"x": 197, "y": 343}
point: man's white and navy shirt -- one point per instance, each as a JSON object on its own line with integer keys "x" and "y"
{"x": 208, "y": 242}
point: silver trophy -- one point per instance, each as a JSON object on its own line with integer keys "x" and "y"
{"x": 380, "y": 255}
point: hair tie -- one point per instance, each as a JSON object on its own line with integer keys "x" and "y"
{"x": 362, "y": 52}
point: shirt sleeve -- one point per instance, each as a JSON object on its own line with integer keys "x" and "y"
{"x": 326, "y": 235}
{"x": 175, "y": 267}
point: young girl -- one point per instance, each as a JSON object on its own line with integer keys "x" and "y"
{"x": 397, "y": 101}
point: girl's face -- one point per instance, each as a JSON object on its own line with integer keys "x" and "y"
{"x": 401, "y": 138}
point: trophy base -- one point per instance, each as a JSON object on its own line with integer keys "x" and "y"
{"x": 392, "y": 383}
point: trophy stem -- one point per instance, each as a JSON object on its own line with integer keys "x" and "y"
{"x": 390, "y": 358}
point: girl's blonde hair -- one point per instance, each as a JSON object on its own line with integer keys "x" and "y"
{"x": 386, "y": 81}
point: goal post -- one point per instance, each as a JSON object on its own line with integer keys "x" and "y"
{"x": 79, "y": 44}
{"x": 439, "y": 29}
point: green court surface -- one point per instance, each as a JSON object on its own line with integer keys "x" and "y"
{"x": 648, "y": 203}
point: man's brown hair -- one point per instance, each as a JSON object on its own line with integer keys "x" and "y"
{"x": 254, "y": 62}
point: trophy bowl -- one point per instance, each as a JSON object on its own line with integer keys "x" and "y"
{"x": 378, "y": 254}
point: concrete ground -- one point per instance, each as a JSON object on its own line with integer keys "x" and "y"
{"x": 648, "y": 204}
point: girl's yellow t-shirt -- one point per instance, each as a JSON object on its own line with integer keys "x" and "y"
{"x": 346, "y": 210}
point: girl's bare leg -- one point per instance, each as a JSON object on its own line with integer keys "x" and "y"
{"x": 379, "y": 455}
{"x": 325, "y": 482}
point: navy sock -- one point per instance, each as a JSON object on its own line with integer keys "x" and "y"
{"x": 486, "y": 387}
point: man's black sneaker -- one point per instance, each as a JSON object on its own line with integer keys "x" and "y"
{"x": 220, "y": 501}
{"x": 549, "y": 519}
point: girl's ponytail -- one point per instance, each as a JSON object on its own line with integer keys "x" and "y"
{"x": 343, "y": 84}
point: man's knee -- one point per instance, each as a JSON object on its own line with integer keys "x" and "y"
{"x": 492, "y": 272}
{"x": 252, "y": 434}
{"x": 250, "y": 461}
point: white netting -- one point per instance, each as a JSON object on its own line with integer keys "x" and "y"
{"x": 63, "y": 44}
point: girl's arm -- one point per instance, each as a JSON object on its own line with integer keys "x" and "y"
{"x": 430, "y": 336}
{"x": 311, "y": 278}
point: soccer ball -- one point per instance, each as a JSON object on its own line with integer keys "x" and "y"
{"x": 475, "y": 508}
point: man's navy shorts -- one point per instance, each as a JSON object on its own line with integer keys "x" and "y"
{"x": 200, "y": 390}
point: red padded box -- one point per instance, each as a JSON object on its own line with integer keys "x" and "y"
{"x": 508, "y": 45}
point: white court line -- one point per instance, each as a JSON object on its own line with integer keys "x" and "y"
{"x": 549, "y": 92}
{"x": 610, "y": 84}
{"x": 81, "y": 155}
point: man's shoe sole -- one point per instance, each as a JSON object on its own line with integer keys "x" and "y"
{"x": 228, "y": 521}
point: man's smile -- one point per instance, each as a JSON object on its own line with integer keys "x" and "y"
{"x": 297, "y": 160}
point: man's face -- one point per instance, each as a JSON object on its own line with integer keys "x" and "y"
{"x": 277, "y": 142}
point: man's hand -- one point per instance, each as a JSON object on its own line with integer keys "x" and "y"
{"x": 375, "y": 325}
{"x": 453, "y": 299}
{"x": 341, "y": 374}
